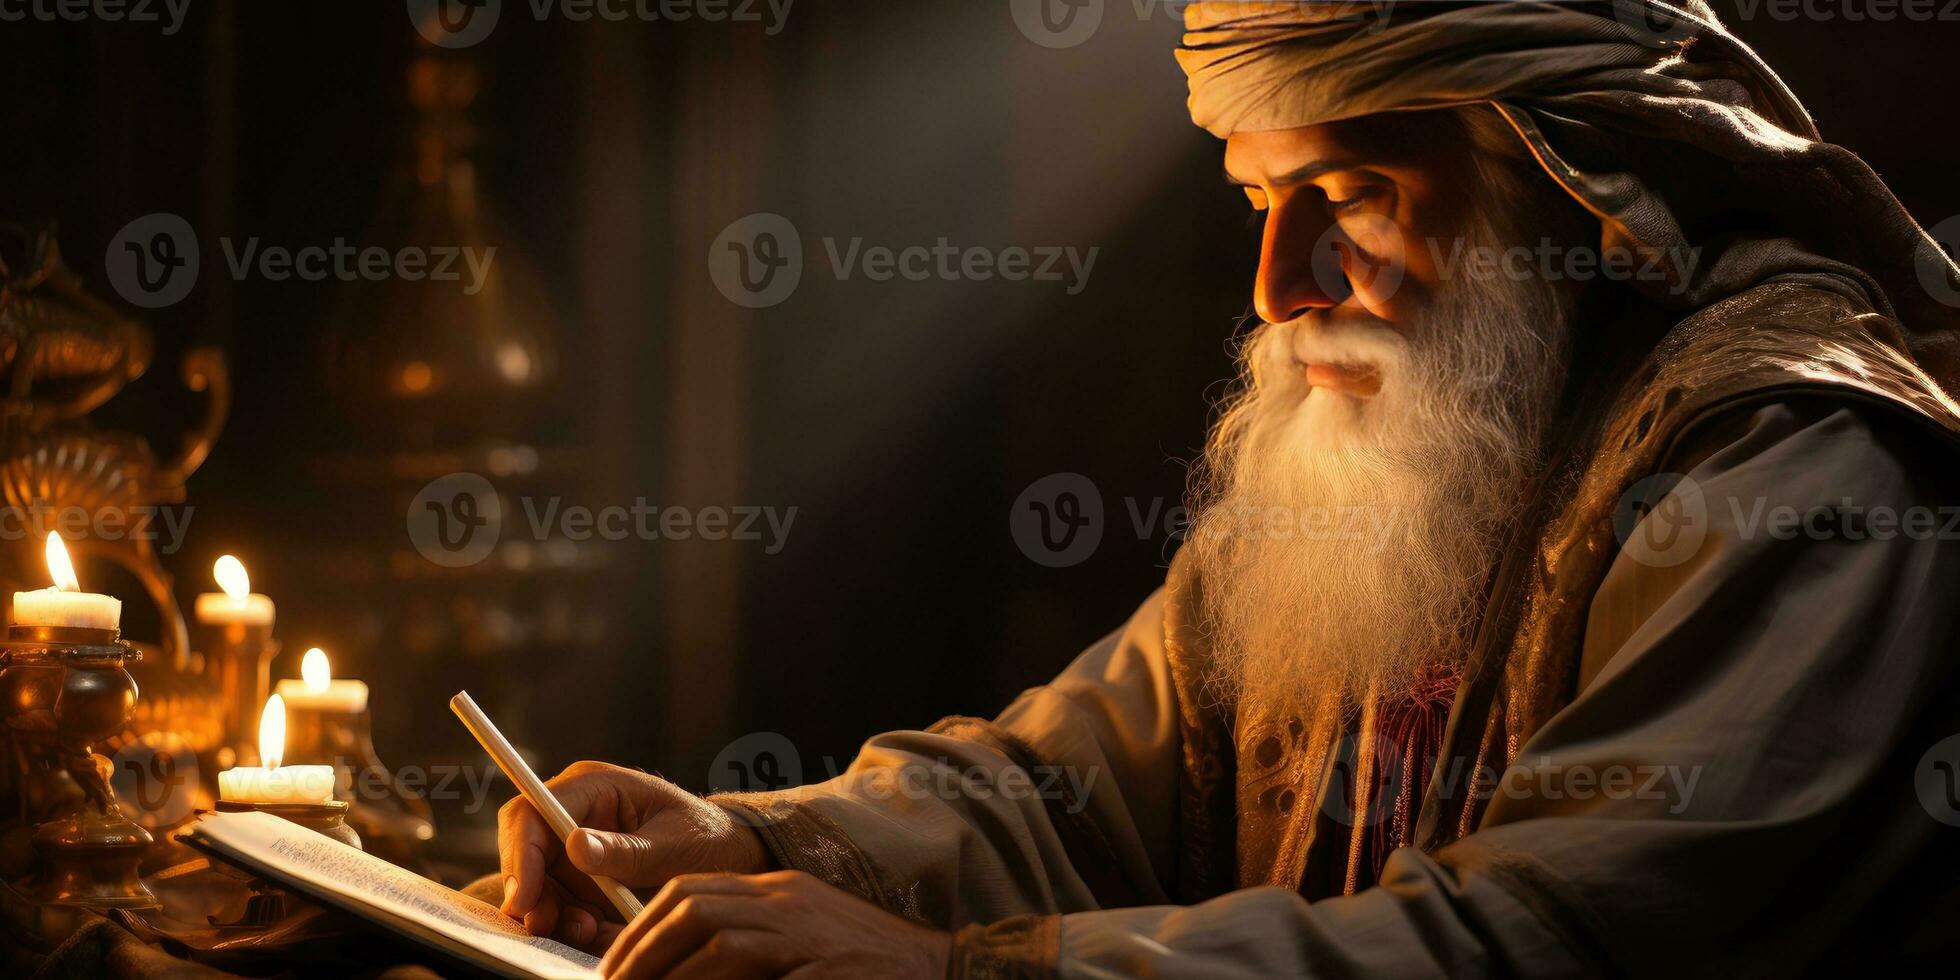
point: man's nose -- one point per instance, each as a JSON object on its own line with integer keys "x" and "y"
{"x": 1300, "y": 268}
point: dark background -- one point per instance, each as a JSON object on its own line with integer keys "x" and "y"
{"x": 901, "y": 419}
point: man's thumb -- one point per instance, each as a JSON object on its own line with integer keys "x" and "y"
{"x": 627, "y": 857}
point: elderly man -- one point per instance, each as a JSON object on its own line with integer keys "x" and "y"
{"x": 1569, "y": 590}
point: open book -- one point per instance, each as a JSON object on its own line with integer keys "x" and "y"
{"x": 347, "y": 878}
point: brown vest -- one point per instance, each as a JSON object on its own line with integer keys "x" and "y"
{"x": 1260, "y": 776}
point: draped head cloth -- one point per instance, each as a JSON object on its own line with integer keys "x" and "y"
{"x": 1651, "y": 114}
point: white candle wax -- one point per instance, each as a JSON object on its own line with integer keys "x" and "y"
{"x": 65, "y": 604}
{"x": 237, "y": 604}
{"x": 54, "y": 607}
{"x": 219, "y": 609}
{"x": 338, "y": 695}
{"x": 272, "y": 782}
{"x": 285, "y": 784}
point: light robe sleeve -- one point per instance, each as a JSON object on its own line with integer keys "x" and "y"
{"x": 1779, "y": 690}
{"x": 1064, "y": 802}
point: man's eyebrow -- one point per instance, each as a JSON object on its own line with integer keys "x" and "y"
{"x": 1298, "y": 174}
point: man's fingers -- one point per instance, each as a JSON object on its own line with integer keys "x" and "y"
{"x": 672, "y": 898}
{"x": 541, "y": 919}
{"x": 692, "y": 925}
{"x": 526, "y": 843}
{"x": 740, "y": 953}
{"x": 666, "y": 844}
{"x": 608, "y": 937}
{"x": 630, "y": 858}
{"x": 577, "y": 926}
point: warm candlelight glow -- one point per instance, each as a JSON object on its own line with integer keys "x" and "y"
{"x": 230, "y": 573}
{"x": 272, "y": 732}
{"x": 65, "y": 605}
{"x": 318, "y": 690}
{"x": 60, "y": 567}
{"x": 269, "y": 782}
{"x": 314, "y": 670}
{"x": 237, "y": 604}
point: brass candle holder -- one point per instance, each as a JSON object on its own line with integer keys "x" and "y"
{"x": 238, "y": 660}
{"x": 329, "y": 818}
{"x": 63, "y": 690}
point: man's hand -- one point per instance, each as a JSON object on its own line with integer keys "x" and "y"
{"x": 767, "y": 925}
{"x": 638, "y": 829}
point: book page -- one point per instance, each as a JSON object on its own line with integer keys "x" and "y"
{"x": 280, "y": 849}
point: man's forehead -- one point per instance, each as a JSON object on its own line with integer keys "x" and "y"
{"x": 1278, "y": 156}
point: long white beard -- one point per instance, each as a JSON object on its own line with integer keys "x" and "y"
{"x": 1345, "y": 544}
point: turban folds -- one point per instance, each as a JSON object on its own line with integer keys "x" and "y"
{"x": 1653, "y": 116}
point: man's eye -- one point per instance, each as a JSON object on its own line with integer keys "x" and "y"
{"x": 1359, "y": 197}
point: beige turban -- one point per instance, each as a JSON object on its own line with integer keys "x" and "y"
{"x": 1652, "y": 115}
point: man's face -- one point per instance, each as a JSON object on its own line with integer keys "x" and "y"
{"x": 1391, "y": 410}
{"x": 1350, "y": 210}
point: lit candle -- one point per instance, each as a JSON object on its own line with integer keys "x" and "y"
{"x": 273, "y": 783}
{"x": 318, "y": 690}
{"x": 237, "y": 603}
{"x": 65, "y": 604}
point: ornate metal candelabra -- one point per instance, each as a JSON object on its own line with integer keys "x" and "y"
{"x": 62, "y": 691}
{"x": 67, "y": 693}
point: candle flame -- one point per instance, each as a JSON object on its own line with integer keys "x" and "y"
{"x": 230, "y": 573}
{"x": 60, "y": 567}
{"x": 272, "y": 732}
{"x": 315, "y": 671}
